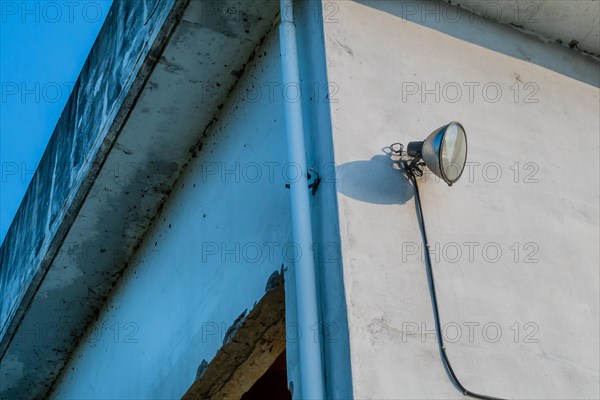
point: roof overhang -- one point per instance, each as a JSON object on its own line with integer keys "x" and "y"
{"x": 154, "y": 81}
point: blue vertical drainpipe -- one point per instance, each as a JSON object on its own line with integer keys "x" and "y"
{"x": 311, "y": 365}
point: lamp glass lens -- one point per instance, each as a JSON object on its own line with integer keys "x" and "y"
{"x": 454, "y": 152}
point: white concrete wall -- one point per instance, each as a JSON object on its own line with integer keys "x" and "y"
{"x": 206, "y": 259}
{"x": 544, "y": 143}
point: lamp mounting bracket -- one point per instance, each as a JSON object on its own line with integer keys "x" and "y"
{"x": 410, "y": 160}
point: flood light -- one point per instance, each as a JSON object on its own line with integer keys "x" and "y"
{"x": 444, "y": 152}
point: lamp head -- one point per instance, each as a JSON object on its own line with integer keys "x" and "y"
{"x": 444, "y": 152}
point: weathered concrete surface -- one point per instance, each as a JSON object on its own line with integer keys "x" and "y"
{"x": 574, "y": 23}
{"x": 197, "y": 269}
{"x": 249, "y": 353}
{"x": 532, "y": 189}
{"x": 121, "y": 183}
{"x": 109, "y": 84}
{"x": 83, "y": 130}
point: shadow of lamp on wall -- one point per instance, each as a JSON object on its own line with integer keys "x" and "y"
{"x": 444, "y": 152}
{"x": 373, "y": 181}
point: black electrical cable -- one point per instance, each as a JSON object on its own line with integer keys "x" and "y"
{"x": 434, "y": 303}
